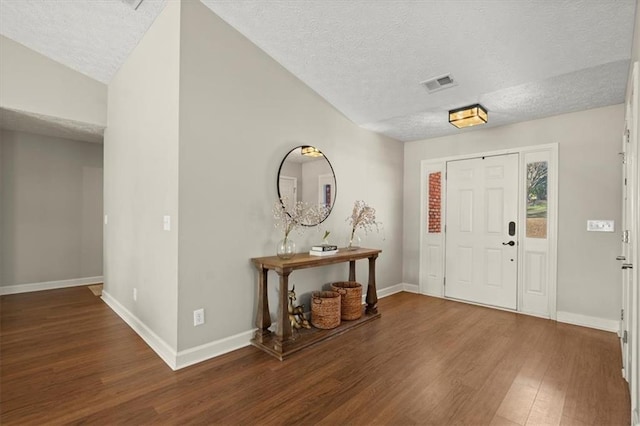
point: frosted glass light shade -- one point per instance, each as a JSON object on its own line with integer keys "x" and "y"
{"x": 468, "y": 116}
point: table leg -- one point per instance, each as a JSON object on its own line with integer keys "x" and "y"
{"x": 372, "y": 293}
{"x": 263, "y": 317}
{"x": 283, "y": 331}
{"x": 352, "y": 270}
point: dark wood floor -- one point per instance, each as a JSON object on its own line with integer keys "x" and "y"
{"x": 67, "y": 358}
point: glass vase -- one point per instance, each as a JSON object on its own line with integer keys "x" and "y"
{"x": 286, "y": 248}
{"x": 353, "y": 241}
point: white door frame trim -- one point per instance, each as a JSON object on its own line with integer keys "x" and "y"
{"x": 439, "y": 165}
{"x": 633, "y": 377}
{"x": 329, "y": 177}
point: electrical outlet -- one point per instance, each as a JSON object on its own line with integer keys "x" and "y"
{"x": 135, "y": 294}
{"x": 198, "y": 317}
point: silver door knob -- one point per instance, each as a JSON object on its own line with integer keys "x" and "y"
{"x": 627, "y": 266}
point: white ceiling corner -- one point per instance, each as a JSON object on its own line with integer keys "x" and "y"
{"x": 93, "y": 37}
{"x": 522, "y": 59}
{"x": 40, "y": 124}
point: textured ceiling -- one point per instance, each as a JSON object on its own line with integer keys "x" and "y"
{"x": 522, "y": 59}
{"x": 11, "y": 119}
{"x": 91, "y": 36}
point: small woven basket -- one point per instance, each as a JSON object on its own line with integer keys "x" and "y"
{"x": 351, "y": 299}
{"x": 325, "y": 309}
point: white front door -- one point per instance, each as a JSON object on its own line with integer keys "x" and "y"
{"x": 482, "y": 231}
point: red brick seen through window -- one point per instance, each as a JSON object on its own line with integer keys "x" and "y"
{"x": 435, "y": 203}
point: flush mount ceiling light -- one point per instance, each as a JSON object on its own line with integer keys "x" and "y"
{"x": 310, "y": 151}
{"x": 468, "y": 116}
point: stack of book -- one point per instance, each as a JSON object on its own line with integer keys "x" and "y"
{"x": 323, "y": 250}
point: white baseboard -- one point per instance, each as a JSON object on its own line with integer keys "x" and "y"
{"x": 219, "y": 347}
{"x": 162, "y": 348}
{"x": 213, "y": 349}
{"x": 565, "y": 317}
{"x": 411, "y": 288}
{"x": 183, "y": 358}
{"x": 49, "y": 285}
{"x": 388, "y": 291}
{"x": 587, "y": 321}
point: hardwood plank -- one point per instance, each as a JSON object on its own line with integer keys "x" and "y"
{"x": 517, "y": 404}
{"x": 65, "y": 357}
{"x": 501, "y": 421}
{"x": 593, "y": 368}
{"x": 547, "y": 408}
{"x": 568, "y": 421}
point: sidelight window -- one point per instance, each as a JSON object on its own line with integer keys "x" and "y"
{"x": 537, "y": 199}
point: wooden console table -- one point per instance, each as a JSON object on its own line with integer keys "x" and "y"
{"x": 283, "y": 343}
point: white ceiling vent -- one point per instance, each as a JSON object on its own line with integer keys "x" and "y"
{"x": 439, "y": 83}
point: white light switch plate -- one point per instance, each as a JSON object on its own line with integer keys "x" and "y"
{"x": 600, "y": 225}
{"x": 167, "y": 223}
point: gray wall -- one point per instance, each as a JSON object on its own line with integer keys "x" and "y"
{"x": 32, "y": 82}
{"x": 240, "y": 114}
{"x": 635, "y": 50}
{"x": 292, "y": 169}
{"x": 311, "y": 170}
{"x": 141, "y": 179}
{"x": 50, "y": 209}
{"x": 589, "y": 188}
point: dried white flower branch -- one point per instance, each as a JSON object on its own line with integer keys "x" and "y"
{"x": 363, "y": 217}
{"x": 300, "y": 213}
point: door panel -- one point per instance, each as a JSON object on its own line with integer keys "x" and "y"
{"x": 493, "y": 261}
{"x": 482, "y": 198}
{"x": 466, "y": 211}
{"x": 465, "y": 263}
{"x": 494, "y": 214}
{"x": 288, "y": 187}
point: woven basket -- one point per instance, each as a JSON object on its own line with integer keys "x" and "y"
{"x": 351, "y": 299}
{"x": 325, "y": 309}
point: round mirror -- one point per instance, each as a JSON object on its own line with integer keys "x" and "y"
{"x": 306, "y": 178}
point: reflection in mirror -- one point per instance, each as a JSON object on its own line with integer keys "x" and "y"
{"x": 306, "y": 176}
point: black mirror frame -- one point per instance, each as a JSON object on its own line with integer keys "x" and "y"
{"x": 335, "y": 180}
